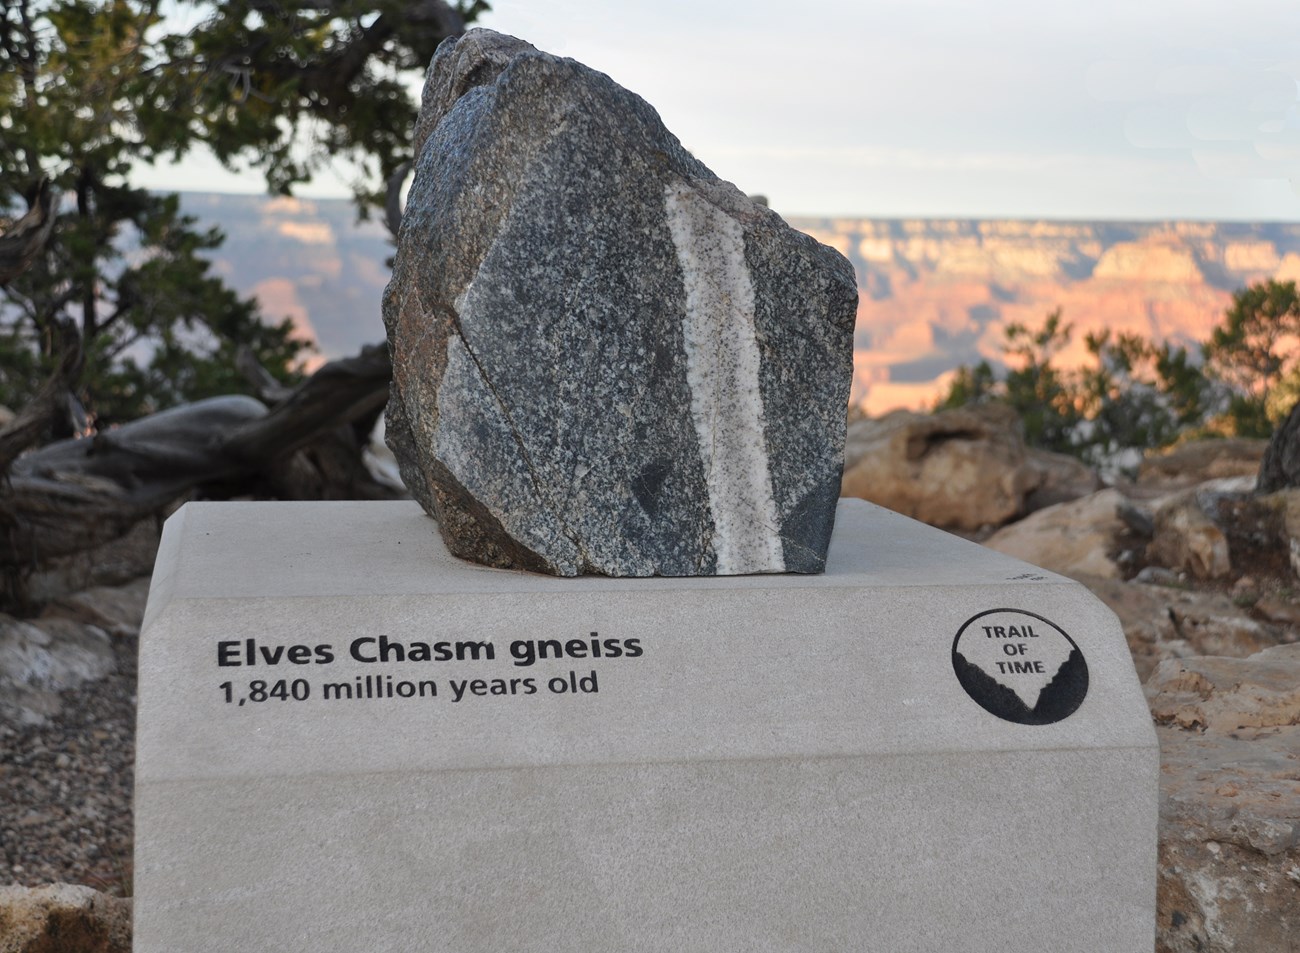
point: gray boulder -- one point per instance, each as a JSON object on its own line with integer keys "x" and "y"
{"x": 606, "y": 359}
{"x": 41, "y": 658}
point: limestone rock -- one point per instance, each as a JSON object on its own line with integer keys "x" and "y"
{"x": 1186, "y": 538}
{"x": 1223, "y": 695}
{"x": 1075, "y": 538}
{"x": 1229, "y": 863}
{"x": 1193, "y": 463}
{"x": 1284, "y": 612}
{"x": 1158, "y": 576}
{"x": 1161, "y": 622}
{"x": 1061, "y": 478}
{"x": 118, "y": 610}
{"x": 606, "y": 359}
{"x": 40, "y": 658}
{"x": 63, "y": 918}
{"x": 962, "y": 469}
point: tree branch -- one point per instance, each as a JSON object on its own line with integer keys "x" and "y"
{"x": 265, "y": 386}
{"x": 338, "y": 393}
{"x": 75, "y": 494}
{"x": 21, "y": 244}
{"x": 34, "y": 420}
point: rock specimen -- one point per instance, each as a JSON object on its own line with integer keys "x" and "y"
{"x": 1192, "y": 463}
{"x": 1186, "y": 538}
{"x": 606, "y": 359}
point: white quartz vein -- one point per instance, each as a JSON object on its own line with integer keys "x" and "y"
{"x": 722, "y": 365}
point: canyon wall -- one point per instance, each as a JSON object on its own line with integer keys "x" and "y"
{"x": 936, "y": 294}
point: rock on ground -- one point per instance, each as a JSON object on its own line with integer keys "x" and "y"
{"x": 1173, "y": 622}
{"x": 72, "y": 642}
{"x": 40, "y": 658}
{"x": 63, "y": 918}
{"x": 963, "y": 469}
{"x": 1060, "y": 478}
{"x": 605, "y": 358}
{"x": 1229, "y": 864}
{"x": 1081, "y": 537}
{"x": 1185, "y": 538}
{"x": 117, "y": 610}
{"x": 66, "y": 769}
{"x": 1200, "y": 460}
{"x": 110, "y": 564}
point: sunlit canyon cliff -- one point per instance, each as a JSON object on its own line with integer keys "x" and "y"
{"x": 934, "y": 294}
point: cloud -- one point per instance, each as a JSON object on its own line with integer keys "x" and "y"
{"x": 1234, "y": 112}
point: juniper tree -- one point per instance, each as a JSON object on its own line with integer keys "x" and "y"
{"x": 90, "y": 89}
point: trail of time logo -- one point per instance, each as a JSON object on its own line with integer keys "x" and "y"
{"x": 1019, "y": 666}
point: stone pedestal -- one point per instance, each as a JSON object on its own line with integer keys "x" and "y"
{"x": 350, "y": 740}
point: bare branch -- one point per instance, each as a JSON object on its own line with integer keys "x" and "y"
{"x": 265, "y": 386}
{"x": 75, "y": 494}
{"x": 21, "y": 244}
{"x": 34, "y": 420}
{"x": 338, "y": 393}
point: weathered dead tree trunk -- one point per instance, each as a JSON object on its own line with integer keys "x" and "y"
{"x": 76, "y": 494}
{"x": 55, "y": 399}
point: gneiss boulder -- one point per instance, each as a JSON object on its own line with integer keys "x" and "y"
{"x": 605, "y": 358}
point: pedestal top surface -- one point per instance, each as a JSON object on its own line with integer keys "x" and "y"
{"x": 392, "y": 548}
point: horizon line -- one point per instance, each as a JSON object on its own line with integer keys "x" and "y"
{"x": 833, "y": 216}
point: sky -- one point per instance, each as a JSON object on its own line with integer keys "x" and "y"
{"x": 1092, "y": 109}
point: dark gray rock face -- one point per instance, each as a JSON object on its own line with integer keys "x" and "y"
{"x": 606, "y": 359}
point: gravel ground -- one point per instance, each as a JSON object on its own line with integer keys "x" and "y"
{"x": 65, "y": 788}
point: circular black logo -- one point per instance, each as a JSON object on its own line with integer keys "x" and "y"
{"x": 1019, "y": 666}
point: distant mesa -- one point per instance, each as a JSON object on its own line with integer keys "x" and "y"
{"x": 1150, "y": 262}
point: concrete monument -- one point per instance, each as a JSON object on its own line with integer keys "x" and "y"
{"x": 351, "y": 740}
{"x": 609, "y": 364}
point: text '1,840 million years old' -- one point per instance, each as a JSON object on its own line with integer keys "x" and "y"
{"x": 523, "y": 653}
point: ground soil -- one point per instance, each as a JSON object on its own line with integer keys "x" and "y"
{"x": 66, "y": 787}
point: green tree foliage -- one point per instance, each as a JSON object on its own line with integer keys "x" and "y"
{"x": 295, "y": 85}
{"x": 1138, "y": 395}
{"x": 1256, "y": 353}
{"x": 1038, "y": 390}
{"x": 89, "y": 88}
{"x": 971, "y": 385}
